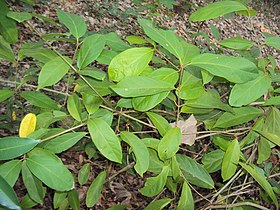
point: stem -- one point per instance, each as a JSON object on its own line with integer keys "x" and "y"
{"x": 181, "y": 71}
{"x": 226, "y": 206}
{"x": 63, "y": 132}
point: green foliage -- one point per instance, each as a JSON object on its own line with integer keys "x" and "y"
{"x": 134, "y": 111}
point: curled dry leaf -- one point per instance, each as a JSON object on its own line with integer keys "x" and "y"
{"x": 188, "y": 129}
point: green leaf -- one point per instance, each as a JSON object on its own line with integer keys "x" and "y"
{"x": 8, "y": 197}
{"x": 73, "y": 198}
{"x": 272, "y": 101}
{"x": 154, "y": 185}
{"x": 84, "y": 174}
{"x": 6, "y": 51}
{"x": 106, "y": 57}
{"x": 264, "y": 150}
{"x": 131, "y": 62}
{"x": 140, "y": 151}
{"x": 169, "y": 144}
{"x": 191, "y": 87}
{"x": 186, "y": 199}
{"x": 254, "y": 90}
{"x": 91, "y": 102}
{"x": 12, "y": 146}
{"x": 230, "y": 160}
{"x": 19, "y": 16}
{"x": 105, "y": 139}
{"x": 27, "y": 202}
{"x": 94, "y": 73}
{"x": 273, "y": 41}
{"x": 64, "y": 142}
{"x": 159, "y": 122}
{"x": 190, "y": 51}
{"x": 212, "y": 161}
{"x": 40, "y": 99}
{"x": 115, "y": 42}
{"x": 239, "y": 116}
{"x": 90, "y": 50}
{"x": 53, "y": 71}
{"x": 95, "y": 189}
{"x": 136, "y": 40}
{"x": 74, "y": 107}
{"x": 49, "y": 169}
{"x": 37, "y": 52}
{"x": 234, "y": 69}
{"x": 32, "y": 184}
{"x": 216, "y": 9}
{"x": 74, "y": 23}
{"x": 197, "y": 175}
{"x": 117, "y": 207}
{"x": 272, "y": 122}
{"x": 270, "y": 136}
{"x": 8, "y": 29}
{"x": 166, "y": 38}
{"x": 237, "y": 43}
{"x": 58, "y": 198}
{"x": 158, "y": 204}
{"x": 261, "y": 179}
{"x": 10, "y": 171}
{"x": 5, "y": 94}
{"x": 135, "y": 86}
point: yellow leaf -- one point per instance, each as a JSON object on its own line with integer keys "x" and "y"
{"x": 76, "y": 87}
{"x": 27, "y": 125}
{"x": 14, "y": 116}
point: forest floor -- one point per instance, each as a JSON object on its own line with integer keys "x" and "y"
{"x": 103, "y": 16}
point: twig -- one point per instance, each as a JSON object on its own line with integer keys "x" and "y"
{"x": 129, "y": 166}
{"x": 236, "y": 205}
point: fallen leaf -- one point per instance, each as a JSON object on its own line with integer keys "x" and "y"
{"x": 27, "y": 125}
{"x": 188, "y": 129}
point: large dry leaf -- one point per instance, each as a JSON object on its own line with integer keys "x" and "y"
{"x": 188, "y": 129}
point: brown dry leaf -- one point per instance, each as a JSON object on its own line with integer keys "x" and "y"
{"x": 188, "y": 129}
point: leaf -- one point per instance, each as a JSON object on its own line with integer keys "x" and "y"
{"x": 254, "y": 90}
{"x": 95, "y": 189}
{"x": 197, "y": 175}
{"x": 261, "y": 179}
{"x": 73, "y": 198}
{"x": 166, "y": 38}
{"x": 136, "y": 40}
{"x": 12, "y": 146}
{"x": 39, "y": 99}
{"x": 64, "y": 142}
{"x": 154, "y": 185}
{"x": 84, "y": 174}
{"x": 94, "y": 73}
{"x": 58, "y": 198}
{"x": 37, "y": 52}
{"x": 158, "y": 204}
{"x": 115, "y": 42}
{"x": 32, "y": 184}
{"x": 27, "y": 125}
{"x": 155, "y": 164}
{"x": 190, "y": 51}
{"x": 19, "y": 16}
{"x": 8, "y": 197}
{"x": 159, "y": 122}
{"x": 74, "y": 107}
{"x": 53, "y": 71}
{"x": 191, "y": 87}
{"x": 8, "y": 29}
{"x": 90, "y": 50}
{"x": 271, "y": 101}
{"x": 270, "y": 136}
{"x": 234, "y": 69}
{"x": 131, "y": 62}
{"x": 27, "y": 202}
{"x": 273, "y": 41}
{"x": 186, "y": 199}
{"x": 117, "y": 207}
{"x": 6, "y": 51}
{"x": 140, "y": 151}
{"x": 106, "y": 57}
{"x": 169, "y": 144}
{"x": 74, "y": 23}
{"x": 212, "y": 161}
{"x": 5, "y": 94}
{"x": 105, "y": 139}
{"x": 188, "y": 129}
{"x": 135, "y": 86}
{"x": 264, "y": 150}
{"x": 10, "y": 171}
{"x": 239, "y": 116}
{"x": 230, "y": 160}
{"x": 216, "y": 9}
{"x": 49, "y": 169}
{"x": 237, "y": 43}
{"x": 272, "y": 121}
